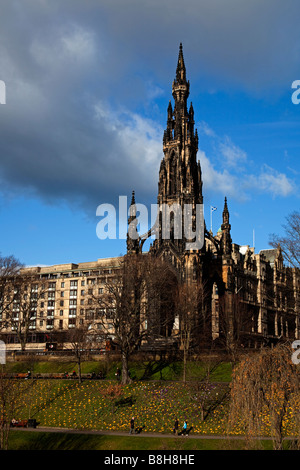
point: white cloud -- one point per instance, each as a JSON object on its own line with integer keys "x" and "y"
{"x": 273, "y": 182}
{"x": 153, "y": 90}
{"x": 204, "y": 128}
{"x": 233, "y": 155}
{"x": 64, "y": 47}
{"x": 58, "y": 58}
{"x": 222, "y": 181}
{"x": 231, "y": 178}
{"x": 138, "y": 139}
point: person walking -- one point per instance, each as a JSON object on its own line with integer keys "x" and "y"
{"x": 176, "y": 424}
{"x": 184, "y": 429}
{"x": 131, "y": 426}
{"x": 118, "y": 373}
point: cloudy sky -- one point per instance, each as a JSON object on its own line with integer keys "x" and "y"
{"x": 87, "y": 89}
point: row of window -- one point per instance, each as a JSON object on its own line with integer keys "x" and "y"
{"x": 92, "y": 282}
{"x": 49, "y": 324}
{"x": 52, "y": 285}
{"x": 72, "y": 301}
{"x": 109, "y": 312}
{"x": 51, "y": 293}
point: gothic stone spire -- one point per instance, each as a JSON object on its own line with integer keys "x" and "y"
{"x": 132, "y": 233}
{"x": 226, "y": 227}
{"x": 181, "y": 175}
{"x": 180, "y": 179}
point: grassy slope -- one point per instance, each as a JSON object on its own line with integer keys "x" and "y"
{"x": 20, "y": 440}
{"x": 43, "y": 440}
{"x": 138, "y": 370}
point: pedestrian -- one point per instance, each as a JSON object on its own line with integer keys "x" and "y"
{"x": 131, "y": 426}
{"x": 176, "y": 424}
{"x": 184, "y": 429}
{"x": 118, "y": 374}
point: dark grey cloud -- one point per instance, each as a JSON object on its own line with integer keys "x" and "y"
{"x": 85, "y": 81}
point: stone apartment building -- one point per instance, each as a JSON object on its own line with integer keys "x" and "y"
{"x": 61, "y": 299}
{"x": 247, "y": 291}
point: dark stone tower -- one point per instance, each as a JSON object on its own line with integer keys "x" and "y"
{"x": 132, "y": 234}
{"x": 226, "y": 227}
{"x": 180, "y": 174}
{"x": 180, "y": 179}
{"x": 238, "y": 286}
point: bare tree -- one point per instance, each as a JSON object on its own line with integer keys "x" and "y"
{"x": 290, "y": 241}
{"x": 9, "y": 268}
{"x": 264, "y": 384}
{"x": 188, "y": 301}
{"x": 236, "y": 322}
{"x": 80, "y": 340}
{"x": 192, "y": 314}
{"x": 208, "y": 395}
{"x": 12, "y": 394}
{"x": 20, "y": 296}
{"x": 134, "y": 305}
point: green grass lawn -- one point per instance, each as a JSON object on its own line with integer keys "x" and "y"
{"x": 140, "y": 370}
{"x": 108, "y": 406}
{"x": 20, "y": 440}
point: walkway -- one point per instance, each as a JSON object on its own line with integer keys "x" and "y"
{"x": 125, "y": 434}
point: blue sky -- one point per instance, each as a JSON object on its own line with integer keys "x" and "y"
{"x": 87, "y": 90}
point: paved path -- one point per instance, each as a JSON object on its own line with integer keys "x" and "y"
{"x": 124, "y": 434}
{"x": 114, "y": 433}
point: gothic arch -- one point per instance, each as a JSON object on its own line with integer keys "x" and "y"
{"x": 173, "y": 172}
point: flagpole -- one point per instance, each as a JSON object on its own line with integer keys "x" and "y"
{"x": 211, "y": 211}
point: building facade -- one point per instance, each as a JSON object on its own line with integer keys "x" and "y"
{"x": 247, "y": 291}
{"x": 250, "y": 296}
